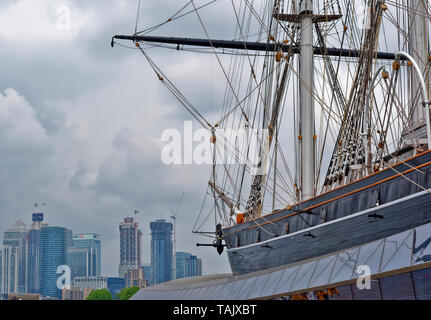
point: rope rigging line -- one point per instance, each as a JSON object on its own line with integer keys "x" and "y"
{"x": 218, "y": 59}
{"x": 137, "y": 16}
{"x": 341, "y": 106}
{"x": 181, "y": 98}
{"x": 175, "y": 16}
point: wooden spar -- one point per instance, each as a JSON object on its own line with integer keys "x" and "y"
{"x": 248, "y": 45}
{"x": 233, "y": 208}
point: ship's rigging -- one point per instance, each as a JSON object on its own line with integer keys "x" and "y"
{"x": 323, "y": 74}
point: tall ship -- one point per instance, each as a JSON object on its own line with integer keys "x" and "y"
{"x": 322, "y": 142}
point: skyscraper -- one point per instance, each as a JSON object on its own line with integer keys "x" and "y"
{"x": 188, "y": 265}
{"x": 33, "y": 253}
{"x": 182, "y": 264}
{"x": 52, "y": 255}
{"x": 199, "y": 267}
{"x": 14, "y": 259}
{"x": 161, "y": 251}
{"x": 69, "y": 238}
{"x": 88, "y": 244}
{"x": 79, "y": 262}
{"x": 130, "y": 246}
{"x": 195, "y": 266}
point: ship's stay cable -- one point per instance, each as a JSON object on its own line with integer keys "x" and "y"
{"x": 229, "y": 177}
{"x": 384, "y": 120}
{"x": 328, "y": 123}
{"x": 407, "y": 178}
{"x": 388, "y": 113}
{"x": 181, "y": 98}
{"x": 137, "y": 17}
{"x": 175, "y": 16}
{"x": 281, "y": 153}
{"x": 243, "y": 40}
{"x": 248, "y": 170}
{"x": 238, "y": 105}
{"x": 201, "y": 23}
{"x": 258, "y": 18}
{"x": 329, "y": 119}
{"x": 195, "y": 228}
{"x": 218, "y": 59}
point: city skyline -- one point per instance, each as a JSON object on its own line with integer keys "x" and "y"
{"x": 145, "y": 247}
{"x": 31, "y": 256}
{"x": 86, "y": 143}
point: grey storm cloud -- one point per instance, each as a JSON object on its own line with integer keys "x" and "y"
{"x": 80, "y": 122}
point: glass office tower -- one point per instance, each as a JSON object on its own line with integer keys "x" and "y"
{"x": 14, "y": 259}
{"x": 33, "y": 253}
{"x": 146, "y": 270}
{"x": 52, "y": 255}
{"x": 188, "y": 265}
{"x": 90, "y": 243}
{"x": 161, "y": 251}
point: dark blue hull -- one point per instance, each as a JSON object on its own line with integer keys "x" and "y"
{"x": 386, "y": 203}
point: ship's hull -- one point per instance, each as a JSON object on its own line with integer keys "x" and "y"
{"x": 343, "y": 233}
{"x": 341, "y": 219}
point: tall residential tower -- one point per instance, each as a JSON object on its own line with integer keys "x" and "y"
{"x": 130, "y": 246}
{"x": 33, "y": 253}
{"x": 161, "y": 251}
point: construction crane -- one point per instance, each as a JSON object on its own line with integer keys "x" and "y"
{"x": 174, "y": 218}
{"x": 136, "y": 212}
{"x": 36, "y": 204}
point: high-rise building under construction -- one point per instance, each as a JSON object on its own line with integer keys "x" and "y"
{"x": 130, "y": 246}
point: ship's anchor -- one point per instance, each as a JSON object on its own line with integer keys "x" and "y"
{"x": 217, "y": 243}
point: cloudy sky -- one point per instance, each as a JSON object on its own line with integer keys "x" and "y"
{"x": 80, "y": 122}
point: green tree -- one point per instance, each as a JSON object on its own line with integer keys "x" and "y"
{"x": 127, "y": 293}
{"x": 101, "y": 294}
